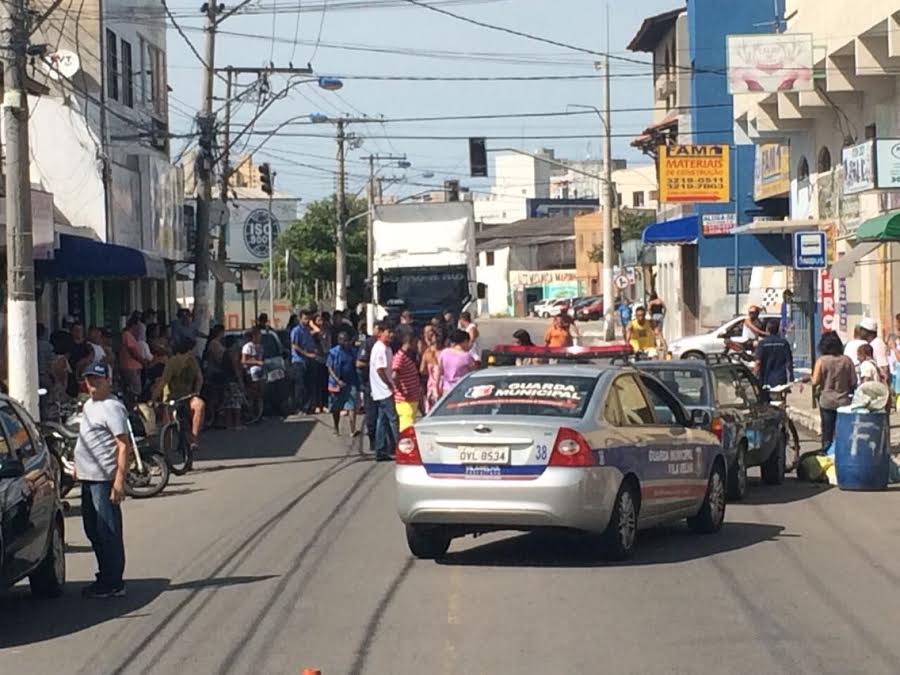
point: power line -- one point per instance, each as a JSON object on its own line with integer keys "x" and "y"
{"x": 550, "y": 137}
{"x": 319, "y": 36}
{"x": 296, "y": 31}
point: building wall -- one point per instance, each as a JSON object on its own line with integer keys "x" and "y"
{"x": 669, "y": 288}
{"x": 496, "y": 276}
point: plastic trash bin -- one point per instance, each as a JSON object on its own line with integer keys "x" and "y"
{"x": 862, "y": 450}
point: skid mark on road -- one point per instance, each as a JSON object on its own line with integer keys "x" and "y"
{"x": 371, "y": 629}
{"x": 231, "y": 561}
{"x": 290, "y": 603}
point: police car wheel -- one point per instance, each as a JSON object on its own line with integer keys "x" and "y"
{"x": 619, "y": 536}
{"x": 737, "y": 477}
{"x": 774, "y": 467}
{"x": 712, "y": 513}
{"x": 427, "y": 542}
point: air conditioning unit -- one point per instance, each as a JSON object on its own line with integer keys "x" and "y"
{"x": 666, "y": 88}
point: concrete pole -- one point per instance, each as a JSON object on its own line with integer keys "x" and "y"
{"x": 608, "y": 205}
{"x": 206, "y": 121}
{"x": 221, "y": 247}
{"x": 340, "y": 273}
{"x": 271, "y": 238}
{"x": 370, "y": 249}
{"x": 21, "y": 333}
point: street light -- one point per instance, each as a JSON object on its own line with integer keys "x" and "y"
{"x": 330, "y": 83}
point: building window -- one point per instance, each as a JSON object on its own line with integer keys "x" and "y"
{"x": 154, "y": 90}
{"x": 489, "y": 258}
{"x": 637, "y": 199}
{"x": 127, "y": 75}
{"x": 654, "y": 195}
{"x": 618, "y": 200}
{"x": 746, "y": 272}
{"x": 803, "y": 171}
{"x": 824, "y": 164}
{"x": 112, "y": 65}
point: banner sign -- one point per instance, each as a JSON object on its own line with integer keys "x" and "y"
{"x": 772, "y": 175}
{"x": 694, "y": 173}
{"x": 717, "y": 224}
{"x": 770, "y": 63}
{"x": 887, "y": 157}
{"x": 859, "y": 169}
{"x": 810, "y": 251}
{"x": 826, "y": 295}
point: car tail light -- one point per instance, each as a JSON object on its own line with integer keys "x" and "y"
{"x": 715, "y": 426}
{"x": 570, "y": 449}
{"x": 408, "y": 448}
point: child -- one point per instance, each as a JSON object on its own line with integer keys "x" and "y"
{"x": 867, "y": 370}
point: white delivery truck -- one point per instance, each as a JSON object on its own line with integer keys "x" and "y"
{"x": 424, "y": 259}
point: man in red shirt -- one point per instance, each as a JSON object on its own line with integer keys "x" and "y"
{"x": 131, "y": 361}
{"x": 407, "y": 387}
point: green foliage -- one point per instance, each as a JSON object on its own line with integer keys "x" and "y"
{"x": 311, "y": 242}
{"x": 634, "y": 222}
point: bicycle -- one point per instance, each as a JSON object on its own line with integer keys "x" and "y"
{"x": 778, "y": 399}
{"x": 174, "y": 437}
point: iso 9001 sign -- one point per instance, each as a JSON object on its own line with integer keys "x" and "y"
{"x": 256, "y": 232}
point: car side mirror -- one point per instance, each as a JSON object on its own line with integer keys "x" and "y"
{"x": 12, "y": 468}
{"x": 699, "y": 418}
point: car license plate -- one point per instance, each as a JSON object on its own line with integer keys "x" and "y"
{"x": 275, "y": 375}
{"x": 483, "y": 455}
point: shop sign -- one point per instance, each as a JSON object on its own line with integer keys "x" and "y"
{"x": 842, "y": 305}
{"x": 887, "y": 156}
{"x": 772, "y": 174}
{"x": 826, "y": 293}
{"x": 810, "y": 251}
{"x": 694, "y": 173}
{"x": 546, "y": 277}
{"x": 716, "y": 224}
{"x": 769, "y": 63}
{"x": 859, "y": 169}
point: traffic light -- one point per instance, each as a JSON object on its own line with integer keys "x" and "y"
{"x": 478, "y": 158}
{"x": 617, "y": 239}
{"x": 265, "y": 178}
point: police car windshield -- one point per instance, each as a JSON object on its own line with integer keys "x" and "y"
{"x": 530, "y": 395}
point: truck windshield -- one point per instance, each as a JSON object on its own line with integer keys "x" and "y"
{"x": 440, "y": 290}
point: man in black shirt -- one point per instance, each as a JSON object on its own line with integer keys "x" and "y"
{"x": 774, "y": 359}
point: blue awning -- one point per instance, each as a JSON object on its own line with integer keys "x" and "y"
{"x": 82, "y": 258}
{"x": 678, "y": 231}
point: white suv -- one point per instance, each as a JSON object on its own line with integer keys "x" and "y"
{"x": 700, "y": 346}
{"x": 548, "y": 308}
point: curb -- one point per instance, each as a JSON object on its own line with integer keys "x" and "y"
{"x": 806, "y": 418}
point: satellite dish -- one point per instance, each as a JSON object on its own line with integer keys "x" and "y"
{"x": 62, "y": 63}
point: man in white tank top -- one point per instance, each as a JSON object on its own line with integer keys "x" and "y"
{"x": 466, "y": 324}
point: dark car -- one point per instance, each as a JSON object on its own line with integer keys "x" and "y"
{"x": 591, "y": 311}
{"x": 32, "y": 542}
{"x": 279, "y": 374}
{"x": 728, "y": 395}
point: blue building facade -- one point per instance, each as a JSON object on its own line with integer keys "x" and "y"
{"x": 712, "y": 121}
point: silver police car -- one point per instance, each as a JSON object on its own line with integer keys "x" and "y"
{"x": 598, "y": 449}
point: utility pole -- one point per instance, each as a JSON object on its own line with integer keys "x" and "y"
{"x": 608, "y": 205}
{"x": 21, "y": 334}
{"x": 340, "y": 273}
{"x": 221, "y": 245}
{"x": 206, "y": 122}
{"x": 370, "y": 234}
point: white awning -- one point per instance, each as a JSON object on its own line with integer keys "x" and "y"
{"x": 846, "y": 266}
{"x": 777, "y": 226}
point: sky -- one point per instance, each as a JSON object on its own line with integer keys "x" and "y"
{"x": 359, "y": 38}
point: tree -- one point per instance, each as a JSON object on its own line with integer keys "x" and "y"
{"x": 632, "y": 224}
{"x": 311, "y": 242}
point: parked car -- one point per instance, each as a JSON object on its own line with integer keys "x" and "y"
{"x": 279, "y": 376}
{"x": 590, "y": 312}
{"x": 32, "y": 537}
{"x": 725, "y": 398}
{"x": 580, "y": 303}
{"x": 700, "y": 346}
{"x": 548, "y": 308}
{"x": 592, "y": 448}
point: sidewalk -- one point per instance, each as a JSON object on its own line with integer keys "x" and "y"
{"x": 801, "y": 410}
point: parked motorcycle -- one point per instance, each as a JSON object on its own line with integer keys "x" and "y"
{"x": 742, "y": 349}
{"x": 148, "y": 472}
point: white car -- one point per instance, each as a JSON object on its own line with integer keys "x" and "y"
{"x": 548, "y": 308}
{"x": 700, "y": 346}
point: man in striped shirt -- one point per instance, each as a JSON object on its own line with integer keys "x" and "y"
{"x": 407, "y": 388}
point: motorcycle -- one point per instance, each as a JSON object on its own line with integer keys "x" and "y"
{"x": 742, "y": 349}
{"x": 147, "y": 474}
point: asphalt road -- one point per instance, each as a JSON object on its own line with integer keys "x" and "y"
{"x": 283, "y": 551}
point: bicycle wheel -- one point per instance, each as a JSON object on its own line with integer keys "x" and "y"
{"x": 175, "y": 448}
{"x": 149, "y": 482}
{"x": 793, "y": 446}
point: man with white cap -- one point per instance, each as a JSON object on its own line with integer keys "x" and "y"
{"x": 868, "y": 328}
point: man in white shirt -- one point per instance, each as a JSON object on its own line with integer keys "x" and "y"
{"x": 381, "y": 386}
{"x": 851, "y": 349}
{"x": 869, "y": 333}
